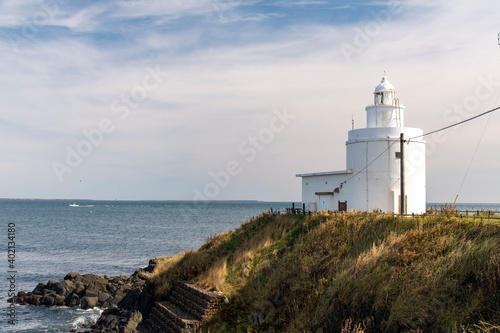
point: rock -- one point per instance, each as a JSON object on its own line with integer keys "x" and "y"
{"x": 36, "y": 300}
{"x": 39, "y": 289}
{"x": 109, "y": 319}
{"x": 57, "y": 287}
{"x": 114, "y": 320}
{"x": 88, "y": 302}
{"x": 146, "y": 299}
{"x": 79, "y": 289}
{"x": 47, "y": 300}
{"x": 130, "y": 325}
{"x": 72, "y": 300}
{"x": 151, "y": 266}
{"x": 59, "y": 300}
{"x": 143, "y": 275}
{"x": 130, "y": 299}
{"x": 103, "y": 297}
{"x": 91, "y": 293}
{"x": 134, "y": 294}
{"x": 71, "y": 276}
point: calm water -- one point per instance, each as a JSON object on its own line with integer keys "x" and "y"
{"x": 101, "y": 237}
{"x": 105, "y": 237}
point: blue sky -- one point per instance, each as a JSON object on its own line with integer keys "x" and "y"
{"x": 210, "y": 75}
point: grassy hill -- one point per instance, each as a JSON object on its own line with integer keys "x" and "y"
{"x": 324, "y": 273}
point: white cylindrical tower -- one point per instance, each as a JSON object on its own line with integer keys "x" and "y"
{"x": 371, "y": 155}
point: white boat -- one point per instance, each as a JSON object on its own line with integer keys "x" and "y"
{"x": 74, "y": 205}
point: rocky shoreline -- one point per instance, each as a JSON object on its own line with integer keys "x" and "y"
{"x": 124, "y": 299}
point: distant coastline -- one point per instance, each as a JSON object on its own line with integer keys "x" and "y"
{"x": 41, "y": 199}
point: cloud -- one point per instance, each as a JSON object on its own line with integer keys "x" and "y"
{"x": 225, "y": 79}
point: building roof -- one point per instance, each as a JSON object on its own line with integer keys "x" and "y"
{"x": 328, "y": 173}
{"x": 384, "y": 85}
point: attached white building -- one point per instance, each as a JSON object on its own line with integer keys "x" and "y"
{"x": 372, "y": 179}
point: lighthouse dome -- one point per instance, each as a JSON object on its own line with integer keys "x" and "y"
{"x": 384, "y": 86}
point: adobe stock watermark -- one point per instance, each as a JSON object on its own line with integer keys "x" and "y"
{"x": 469, "y": 106}
{"x": 364, "y": 36}
{"x": 248, "y": 151}
{"x": 94, "y": 137}
{"x": 29, "y": 30}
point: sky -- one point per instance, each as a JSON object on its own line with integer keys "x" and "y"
{"x": 229, "y": 99}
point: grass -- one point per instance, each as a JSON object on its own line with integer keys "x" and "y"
{"x": 428, "y": 273}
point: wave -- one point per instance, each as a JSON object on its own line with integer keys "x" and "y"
{"x": 88, "y": 317}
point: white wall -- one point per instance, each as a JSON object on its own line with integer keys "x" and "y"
{"x": 376, "y": 187}
{"x": 322, "y": 183}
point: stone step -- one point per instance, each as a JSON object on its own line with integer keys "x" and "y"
{"x": 201, "y": 306}
{"x": 182, "y": 318}
{"x": 186, "y": 309}
{"x": 188, "y": 305}
{"x": 183, "y": 293}
{"x": 162, "y": 323}
{"x": 210, "y": 296}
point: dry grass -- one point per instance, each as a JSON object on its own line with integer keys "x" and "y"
{"x": 164, "y": 264}
{"x": 350, "y": 327}
{"x": 433, "y": 273}
{"x": 215, "y": 276}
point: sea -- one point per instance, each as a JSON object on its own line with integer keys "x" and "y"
{"x": 54, "y": 237}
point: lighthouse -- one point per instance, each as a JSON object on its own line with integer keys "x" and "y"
{"x": 373, "y": 179}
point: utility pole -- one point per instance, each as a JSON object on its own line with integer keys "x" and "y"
{"x": 402, "y": 157}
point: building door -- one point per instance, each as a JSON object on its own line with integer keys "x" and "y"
{"x": 323, "y": 202}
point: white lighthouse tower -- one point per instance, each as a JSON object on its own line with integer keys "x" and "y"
{"x": 372, "y": 179}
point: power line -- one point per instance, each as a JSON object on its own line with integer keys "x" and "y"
{"x": 456, "y": 124}
{"x": 475, "y": 151}
{"x": 366, "y": 167}
{"x": 421, "y": 136}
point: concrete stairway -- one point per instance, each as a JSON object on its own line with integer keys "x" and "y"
{"x": 188, "y": 307}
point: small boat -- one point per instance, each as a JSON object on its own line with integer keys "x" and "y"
{"x": 74, "y": 205}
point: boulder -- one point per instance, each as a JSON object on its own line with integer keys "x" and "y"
{"x": 103, "y": 297}
{"x": 146, "y": 299}
{"x": 38, "y": 289}
{"x": 37, "y": 300}
{"x": 59, "y": 300}
{"x": 72, "y": 300}
{"x": 88, "y": 302}
{"x": 48, "y": 299}
{"x": 115, "y": 320}
{"x": 71, "y": 276}
{"x": 130, "y": 299}
{"x": 91, "y": 292}
{"x": 130, "y": 324}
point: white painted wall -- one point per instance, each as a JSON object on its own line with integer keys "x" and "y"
{"x": 326, "y": 182}
{"x": 378, "y": 186}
